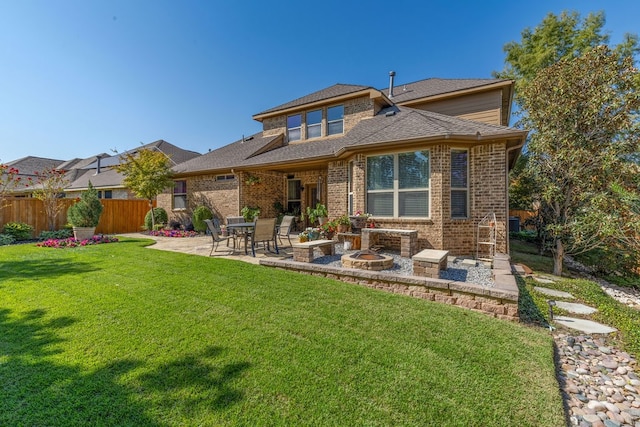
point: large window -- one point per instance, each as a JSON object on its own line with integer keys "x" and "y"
{"x": 294, "y": 125}
{"x": 335, "y": 120}
{"x": 180, "y": 195}
{"x": 459, "y": 184}
{"x": 398, "y": 184}
{"x": 314, "y": 124}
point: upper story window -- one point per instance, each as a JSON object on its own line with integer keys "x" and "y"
{"x": 294, "y": 127}
{"x": 398, "y": 184}
{"x": 335, "y": 120}
{"x": 459, "y": 183}
{"x": 180, "y": 195}
{"x": 314, "y": 124}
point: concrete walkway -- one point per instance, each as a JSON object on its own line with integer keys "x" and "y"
{"x": 201, "y": 245}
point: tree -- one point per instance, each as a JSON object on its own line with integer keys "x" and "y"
{"x": 9, "y": 180}
{"x": 583, "y": 113}
{"x": 49, "y": 188}
{"x": 557, "y": 38}
{"x": 147, "y": 173}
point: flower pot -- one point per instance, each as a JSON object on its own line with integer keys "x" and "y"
{"x": 343, "y": 228}
{"x": 358, "y": 222}
{"x": 83, "y": 233}
{"x": 314, "y": 235}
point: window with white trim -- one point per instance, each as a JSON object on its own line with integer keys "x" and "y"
{"x": 314, "y": 124}
{"x": 459, "y": 183}
{"x": 294, "y": 127}
{"x": 335, "y": 120}
{"x": 398, "y": 184}
{"x": 180, "y": 195}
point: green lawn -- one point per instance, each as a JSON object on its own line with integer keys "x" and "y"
{"x": 117, "y": 334}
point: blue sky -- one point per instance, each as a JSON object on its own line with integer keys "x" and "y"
{"x": 78, "y": 78}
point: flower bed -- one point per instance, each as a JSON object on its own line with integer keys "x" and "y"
{"x": 173, "y": 233}
{"x": 72, "y": 242}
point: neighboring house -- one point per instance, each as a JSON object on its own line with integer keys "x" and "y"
{"x": 98, "y": 169}
{"x": 108, "y": 182}
{"x": 432, "y": 155}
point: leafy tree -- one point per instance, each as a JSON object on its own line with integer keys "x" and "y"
{"x": 583, "y": 113}
{"x": 147, "y": 173}
{"x": 49, "y": 188}
{"x": 557, "y": 38}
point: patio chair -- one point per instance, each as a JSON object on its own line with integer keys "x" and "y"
{"x": 264, "y": 232}
{"x": 284, "y": 229}
{"x": 217, "y": 238}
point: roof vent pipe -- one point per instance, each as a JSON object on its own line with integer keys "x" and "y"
{"x": 391, "y": 76}
{"x": 98, "y": 165}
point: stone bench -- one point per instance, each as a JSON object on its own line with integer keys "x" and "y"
{"x": 408, "y": 239}
{"x": 303, "y": 251}
{"x": 429, "y": 262}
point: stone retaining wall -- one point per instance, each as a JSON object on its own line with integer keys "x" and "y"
{"x": 500, "y": 301}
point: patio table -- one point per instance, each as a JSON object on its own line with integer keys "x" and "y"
{"x": 243, "y": 226}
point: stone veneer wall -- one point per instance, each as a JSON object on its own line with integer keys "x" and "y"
{"x": 500, "y": 301}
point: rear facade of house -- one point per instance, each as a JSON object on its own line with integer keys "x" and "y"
{"x": 431, "y": 156}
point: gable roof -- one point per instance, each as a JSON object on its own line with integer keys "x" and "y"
{"x": 29, "y": 165}
{"x": 336, "y": 90}
{"x": 435, "y": 86}
{"x": 176, "y": 154}
{"x": 395, "y": 125}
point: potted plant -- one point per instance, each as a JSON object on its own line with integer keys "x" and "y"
{"x": 249, "y": 213}
{"x": 343, "y": 223}
{"x": 319, "y": 213}
{"x": 84, "y": 215}
{"x": 359, "y": 220}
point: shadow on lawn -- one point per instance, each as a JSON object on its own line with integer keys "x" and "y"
{"x": 34, "y": 269}
{"x": 39, "y": 390}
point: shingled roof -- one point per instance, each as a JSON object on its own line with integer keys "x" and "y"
{"x": 394, "y": 124}
{"x": 327, "y": 93}
{"x": 434, "y": 86}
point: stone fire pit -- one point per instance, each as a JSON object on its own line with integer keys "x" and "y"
{"x": 367, "y": 260}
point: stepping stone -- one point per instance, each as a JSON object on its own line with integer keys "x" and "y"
{"x": 554, "y": 293}
{"x": 471, "y": 262}
{"x": 573, "y": 307}
{"x": 543, "y": 280}
{"x": 583, "y": 325}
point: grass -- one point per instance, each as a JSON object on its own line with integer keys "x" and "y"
{"x": 121, "y": 335}
{"x": 610, "y": 311}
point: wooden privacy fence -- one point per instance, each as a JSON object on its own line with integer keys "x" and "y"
{"x": 118, "y": 216}
{"x": 523, "y": 215}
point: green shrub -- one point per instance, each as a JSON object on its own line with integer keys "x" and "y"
{"x": 18, "y": 230}
{"x": 86, "y": 212}
{"x": 58, "y": 234}
{"x": 199, "y": 215}
{"x": 161, "y": 218}
{"x": 5, "y": 239}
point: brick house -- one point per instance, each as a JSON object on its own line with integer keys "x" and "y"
{"x": 431, "y": 156}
